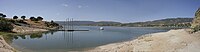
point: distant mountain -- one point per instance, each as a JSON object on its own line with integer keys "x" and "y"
{"x": 169, "y": 22}
{"x": 105, "y": 23}
{"x": 75, "y": 22}
{"x": 100, "y": 23}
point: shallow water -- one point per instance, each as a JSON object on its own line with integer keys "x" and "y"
{"x": 60, "y": 41}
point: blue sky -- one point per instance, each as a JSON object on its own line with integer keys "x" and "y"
{"x": 101, "y": 10}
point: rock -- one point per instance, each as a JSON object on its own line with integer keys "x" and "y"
{"x": 196, "y": 22}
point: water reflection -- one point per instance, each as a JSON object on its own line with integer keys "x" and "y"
{"x": 9, "y": 38}
{"x": 68, "y": 37}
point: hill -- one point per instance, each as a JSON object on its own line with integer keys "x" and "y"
{"x": 170, "y": 22}
{"x": 25, "y": 25}
{"x": 90, "y": 23}
{"x": 196, "y": 23}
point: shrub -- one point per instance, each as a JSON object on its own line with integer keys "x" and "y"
{"x": 51, "y": 24}
{"x": 197, "y": 28}
{"x": 12, "y": 21}
{"x": 5, "y": 26}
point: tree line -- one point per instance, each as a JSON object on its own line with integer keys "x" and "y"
{"x": 7, "y": 24}
{"x": 39, "y": 18}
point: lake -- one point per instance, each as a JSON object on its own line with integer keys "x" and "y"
{"x": 60, "y": 41}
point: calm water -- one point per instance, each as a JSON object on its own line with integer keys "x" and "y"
{"x": 76, "y": 41}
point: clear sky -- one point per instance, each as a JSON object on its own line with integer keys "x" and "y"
{"x": 101, "y": 10}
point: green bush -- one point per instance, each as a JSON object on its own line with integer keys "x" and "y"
{"x": 51, "y": 24}
{"x": 197, "y": 28}
{"x": 5, "y": 26}
{"x": 22, "y": 21}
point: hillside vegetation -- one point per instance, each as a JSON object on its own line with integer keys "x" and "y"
{"x": 196, "y": 22}
{"x": 170, "y": 22}
{"x": 25, "y": 25}
{"x": 5, "y": 25}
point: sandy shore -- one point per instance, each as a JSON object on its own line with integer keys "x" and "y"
{"x": 4, "y": 47}
{"x": 21, "y": 29}
{"x": 171, "y": 41}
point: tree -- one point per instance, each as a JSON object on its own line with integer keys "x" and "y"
{"x": 15, "y": 17}
{"x": 39, "y": 18}
{"x": 1, "y": 14}
{"x": 52, "y": 21}
{"x": 23, "y": 17}
{"x": 33, "y": 19}
{"x": 4, "y": 16}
